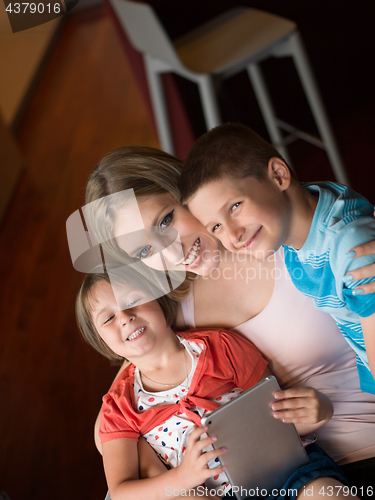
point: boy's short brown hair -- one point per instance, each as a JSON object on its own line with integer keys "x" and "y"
{"x": 230, "y": 150}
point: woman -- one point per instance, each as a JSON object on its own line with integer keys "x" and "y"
{"x": 255, "y": 299}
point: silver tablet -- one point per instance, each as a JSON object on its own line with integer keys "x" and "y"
{"x": 262, "y": 450}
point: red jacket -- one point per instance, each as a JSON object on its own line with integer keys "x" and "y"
{"x": 226, "y": 362}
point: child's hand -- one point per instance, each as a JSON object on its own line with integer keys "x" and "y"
{"x": 366, "y": 271}
{"x": 194, "y": 470}
{"x": 303, "y": 405}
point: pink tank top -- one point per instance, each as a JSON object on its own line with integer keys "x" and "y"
{"x": 305, "y": 348}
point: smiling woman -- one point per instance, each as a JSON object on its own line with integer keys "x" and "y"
{"x": 152, "y": 177}
{"x": 256, "y": 299}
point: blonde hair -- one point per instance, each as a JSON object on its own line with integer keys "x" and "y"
{"x": 148, "y": 171}
{"x": 84, "y": 309}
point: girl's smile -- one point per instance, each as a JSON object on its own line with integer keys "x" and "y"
{"x": 136, "y": 334}
{"x": 131, "y": 333}
{"x": 141, "y": 335}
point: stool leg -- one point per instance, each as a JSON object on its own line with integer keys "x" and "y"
{"x": 266, "y": 107}
{"x": 313, "y": 96}
{"x": 159, "y": 105}
{"x": 209, "y": 102}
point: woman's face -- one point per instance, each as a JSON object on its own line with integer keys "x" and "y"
{"x": 167, "y": 224}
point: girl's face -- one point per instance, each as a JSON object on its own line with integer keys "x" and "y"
{"x": 133, "y": 332}
{"x": 200, "y": 250}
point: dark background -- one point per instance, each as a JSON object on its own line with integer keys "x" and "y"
{"x": 340, "y": 44}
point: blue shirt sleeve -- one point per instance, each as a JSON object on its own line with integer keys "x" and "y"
{"x": 355, "y": 233}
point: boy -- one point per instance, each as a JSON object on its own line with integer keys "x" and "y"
{"x": 242, "y": 191}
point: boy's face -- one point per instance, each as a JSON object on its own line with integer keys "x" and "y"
{"x": 246, "y": 215}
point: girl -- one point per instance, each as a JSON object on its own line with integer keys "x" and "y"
{"x": 171, "y": 381}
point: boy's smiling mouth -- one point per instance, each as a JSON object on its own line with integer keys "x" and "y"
{"x": 251, "y": 241}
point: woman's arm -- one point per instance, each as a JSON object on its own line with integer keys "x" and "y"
{"x": 98, "y": 443}
{"x": 120, "y": 458}
{"x": 366, "y": 271}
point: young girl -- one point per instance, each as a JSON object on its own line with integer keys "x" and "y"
{"x": 171, "y": 382}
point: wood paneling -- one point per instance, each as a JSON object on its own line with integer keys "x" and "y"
{"x": 11, "y": 164}
{"x": 51, "y": 383}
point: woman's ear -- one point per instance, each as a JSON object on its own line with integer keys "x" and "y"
{"x": 278, "y": 171}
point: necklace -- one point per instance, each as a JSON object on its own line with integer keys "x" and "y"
{"x": 167, "y": 385}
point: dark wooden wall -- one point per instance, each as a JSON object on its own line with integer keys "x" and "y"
{"x": 51, "y": 382}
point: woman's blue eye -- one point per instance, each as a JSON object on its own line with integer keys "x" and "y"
{"x": 215, "y": 227}
{"x": 236, "y": 205}
{"x": 144, "y": 252}
{"x": 166, "y": 221}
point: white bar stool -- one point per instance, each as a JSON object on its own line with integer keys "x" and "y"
{"x": 238, "y": 39}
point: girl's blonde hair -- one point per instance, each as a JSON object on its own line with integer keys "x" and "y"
{"x": 148, "y": 171}
{"x": 84, "y": 308}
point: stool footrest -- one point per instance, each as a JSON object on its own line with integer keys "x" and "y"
{"x": 295, "y": 133}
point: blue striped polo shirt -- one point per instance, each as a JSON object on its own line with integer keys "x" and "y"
{"x": 342, "y": 220}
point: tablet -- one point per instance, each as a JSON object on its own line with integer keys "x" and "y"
{"x": 262, "y": 450}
